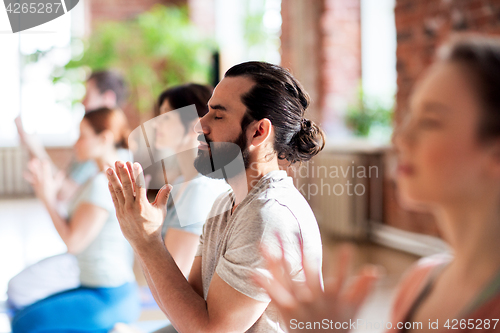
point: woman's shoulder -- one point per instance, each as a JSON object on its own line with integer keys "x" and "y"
{"x": 97, "y": 186}
{"x": 413, "y": 282}
{"x": 96, "y": 191}
{"x": 100, "y": 178}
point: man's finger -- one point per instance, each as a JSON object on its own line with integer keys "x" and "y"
{"x": 139, "y": 182}
{"x": 162, "y": 196}
{"x": 343, "y": 265}
{"x": 113, "y": 195}
{"x": 278, "y": 293}
{"x": 117, "y": 187}
{"x": 128, "y": 190}
{"x": 276, "y": 268}
{"x": 361, "y": 288}
{"x": 285, "y": 264}
{"x": 132, "y": 178}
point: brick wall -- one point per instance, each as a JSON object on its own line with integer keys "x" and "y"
{"x": 117, "y": 10}
{"x": 423, "y": 25}
{"x": 301, "y": 47}
{"x": 341, "y": 58}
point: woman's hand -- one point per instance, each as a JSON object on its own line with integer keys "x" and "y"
{"x": 140, "y": 220}
{"x": 304, "y": 302}
{"x": 44, "y": 183}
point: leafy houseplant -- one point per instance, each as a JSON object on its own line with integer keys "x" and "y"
{"x": 367, "y": 114}
{"x": 157, "y": 49}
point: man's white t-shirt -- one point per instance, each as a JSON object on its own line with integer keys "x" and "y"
{"x": 230, "y": 243}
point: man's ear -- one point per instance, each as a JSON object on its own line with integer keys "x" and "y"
{"x": 261, "y": 130}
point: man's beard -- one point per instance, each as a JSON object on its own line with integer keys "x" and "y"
{"x": 224, "y": 160}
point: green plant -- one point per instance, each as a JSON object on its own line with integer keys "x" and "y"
{"x": 366, "y": 114}
{"x": 157, "y": 49}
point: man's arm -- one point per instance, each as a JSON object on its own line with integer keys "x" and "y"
{"x": 195, "y": 279}
{"x": 151, "y": 285}
{"x": 225, "y": 310}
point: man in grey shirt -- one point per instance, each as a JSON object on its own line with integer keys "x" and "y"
{"x": 258, "y": 108}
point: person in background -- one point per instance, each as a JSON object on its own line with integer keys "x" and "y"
{"x": 448, "y": 164}
{"x": 107, "y": 292}
{"x": 107, "y": 89}
{"x": 61, "y": 272}
{"x": 193, "y": 195}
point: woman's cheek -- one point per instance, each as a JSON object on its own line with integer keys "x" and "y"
{"x": 445, "y": 162}
{"x": 433, "y": 161}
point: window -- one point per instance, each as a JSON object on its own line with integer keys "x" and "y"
{"x": 378, "y": 42}
{"x": 26, "y": 63}
{"x": 248, "y": 30}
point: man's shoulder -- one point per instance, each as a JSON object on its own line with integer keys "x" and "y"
{"x": 281, "y": 196}
{"x": 277, "y": 209}
{"x": 223, "y": 199}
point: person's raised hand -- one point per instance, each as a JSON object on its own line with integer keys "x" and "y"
{"x": 45, "y": 184}
{"x": 303, "y": 302}
{"x": 140, "y": 220}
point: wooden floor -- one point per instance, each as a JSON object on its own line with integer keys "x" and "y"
{"x": 27, "y": 236}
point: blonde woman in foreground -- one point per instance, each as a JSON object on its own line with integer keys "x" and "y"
{"x": 449, "y": 164}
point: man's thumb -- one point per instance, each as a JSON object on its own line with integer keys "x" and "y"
{"x": 162, "y": 196}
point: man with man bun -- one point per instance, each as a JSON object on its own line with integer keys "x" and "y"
{"x": 258, "y": 108}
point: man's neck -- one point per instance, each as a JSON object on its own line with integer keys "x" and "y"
{"x": 243, "y": 183}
